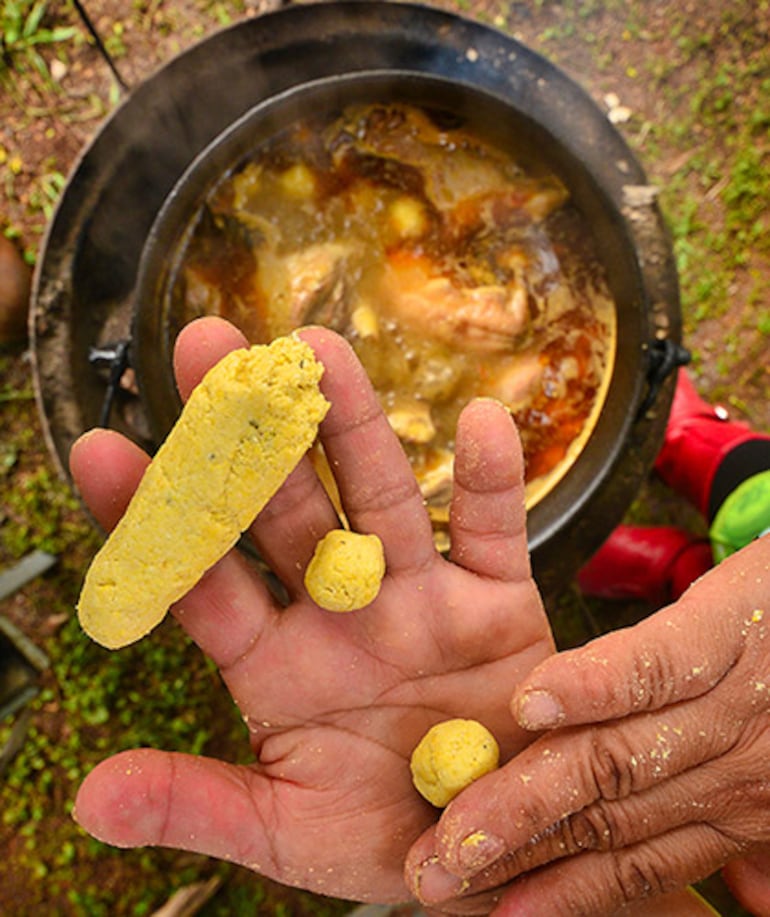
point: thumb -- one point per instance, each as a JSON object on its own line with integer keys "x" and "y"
{"x": 678, "y": 653}
{"x": 147, "y": 797}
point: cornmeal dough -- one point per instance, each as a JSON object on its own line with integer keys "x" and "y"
{"x": 450, "y": 756}
{"x": 345, "y": 571}
{"x": 243, "y": 430}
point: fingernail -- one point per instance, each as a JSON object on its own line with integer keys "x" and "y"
{"x": 435, "y": 884}
{"x": 478, "y": 850}
{"x": 538, "y": 710}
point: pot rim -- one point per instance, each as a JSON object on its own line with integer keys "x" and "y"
{"x": 602, "y": 450}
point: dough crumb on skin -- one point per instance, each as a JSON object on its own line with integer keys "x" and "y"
{"x": 242, "y": 432}
{"x": 346, "y": 571}
{"x": 450, "y": 756}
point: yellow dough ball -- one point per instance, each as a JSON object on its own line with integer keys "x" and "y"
{"x": 345, "y": 571}
{"x": 450, "y": 756}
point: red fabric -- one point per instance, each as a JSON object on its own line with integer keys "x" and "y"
{"x": 695, "y": 560}
{"x": 648, "y": 563}
{"x": 656, "y": 564}
{"x": 698, "y": 437}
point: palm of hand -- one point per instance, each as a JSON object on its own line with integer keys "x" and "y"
{"x": 335, "y": 703}
{"x": 335, "y": 741}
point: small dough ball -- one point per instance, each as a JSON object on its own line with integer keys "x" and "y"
{"x": 450, "y": 756}
{"x": 345, "y": 571}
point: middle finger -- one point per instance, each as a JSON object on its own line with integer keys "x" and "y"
{"x": 375, "y": 483}
{"x": 377, "y": 486}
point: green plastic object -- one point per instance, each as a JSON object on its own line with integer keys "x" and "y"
{"x": 744, "y": 516}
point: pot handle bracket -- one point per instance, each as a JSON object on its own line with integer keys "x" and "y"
{"x": 665, "y": 356}
{"x": 116, "y": 358}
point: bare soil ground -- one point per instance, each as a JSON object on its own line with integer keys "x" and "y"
{"x": 688, "y": 84}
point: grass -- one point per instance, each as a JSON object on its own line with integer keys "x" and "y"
{"x": 95, "y": 703}
{"x": 715, "y": 201}
{"x": 91, "y": 702}
{"x": 23, "y": 32}
{"x": 701, "y": 128}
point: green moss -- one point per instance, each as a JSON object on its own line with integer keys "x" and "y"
{"x": 26, "y": 28}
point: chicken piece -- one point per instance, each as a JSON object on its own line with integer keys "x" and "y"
{"x": 409, "y": 136}
{"x": 544, "y": 199}
{"x": 317, "y": 283}
{"x": 514, "y": 382}
{"x": 483, "y": 318}
{"x": 305, "y": 287}
{"x": 202, "y": 296}
{"x": 436, "y": 480}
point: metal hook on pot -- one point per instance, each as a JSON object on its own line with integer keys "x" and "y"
{"x": 665, "y": 357}
{"x": 115, "y": 357}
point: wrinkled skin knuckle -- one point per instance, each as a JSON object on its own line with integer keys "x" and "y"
{"x": 613, "y": 767}
{"x": 654, "y": 679}
{"x": 755, "y": 738}
{"x": 637, "y": 879}
{"x": 592, "y": 829}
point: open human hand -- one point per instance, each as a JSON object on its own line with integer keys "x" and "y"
{"x": 334, "y": 703}
{"x": 651, "y": 774}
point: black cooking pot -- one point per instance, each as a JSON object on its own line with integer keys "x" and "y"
{"x": 609, "y": 469}
{"x": 83, "y": 302}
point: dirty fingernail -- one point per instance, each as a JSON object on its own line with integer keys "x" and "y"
{"x": 478, "y": 850}
{"x": 538, "y": 710}
{"x": 435, "y": 884}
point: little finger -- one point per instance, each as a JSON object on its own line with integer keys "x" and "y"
{"x": 488, "y": 519}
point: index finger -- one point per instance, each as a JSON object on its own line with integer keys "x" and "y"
{"x": 678, "y": 653}
{"x": 650, "y": 717}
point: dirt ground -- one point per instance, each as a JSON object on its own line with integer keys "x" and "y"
{"x": 688, "y": 85}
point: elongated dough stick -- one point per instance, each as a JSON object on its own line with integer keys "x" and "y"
{"x": 241, "y": 433}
